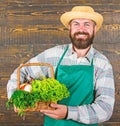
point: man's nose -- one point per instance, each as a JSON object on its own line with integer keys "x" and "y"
{"x": 81, "y": 28}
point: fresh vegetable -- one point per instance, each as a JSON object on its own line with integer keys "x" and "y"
{"x": 26, "y": 87}
{"x": 22, "y": 86}
{"x": 22, "y": 100}
{"x": 46, "y": 90}
{"x": 50, "y": 89}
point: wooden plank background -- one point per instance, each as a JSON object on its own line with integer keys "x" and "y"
{"x": 27, "y": 27}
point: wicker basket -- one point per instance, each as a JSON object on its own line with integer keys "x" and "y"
{"x": 39, "y": 105}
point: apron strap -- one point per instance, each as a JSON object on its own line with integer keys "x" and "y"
{"x": 61, "y": 60}
{"x": 92, "y": 62}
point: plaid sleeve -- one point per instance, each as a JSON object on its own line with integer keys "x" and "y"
{"x": 25, "y": 74}
{"x": 102, "y": 108}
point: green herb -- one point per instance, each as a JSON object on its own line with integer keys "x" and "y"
{"x": 22, "y": 100}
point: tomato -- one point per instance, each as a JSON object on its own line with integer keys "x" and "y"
{"x": 26, "y": 87}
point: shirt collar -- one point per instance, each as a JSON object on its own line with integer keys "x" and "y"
{"x": 88, "y": 56}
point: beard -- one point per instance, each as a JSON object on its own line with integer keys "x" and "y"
{"x": 81, "y": 43}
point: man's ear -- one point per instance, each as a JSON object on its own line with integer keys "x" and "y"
{"x": 95, "y": 29}
{"x": 69, "y": 27}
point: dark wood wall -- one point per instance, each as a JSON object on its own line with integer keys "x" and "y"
{"x": 27, "y": 27}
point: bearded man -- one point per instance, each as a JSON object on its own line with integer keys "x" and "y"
{"x": 86, "y": 72}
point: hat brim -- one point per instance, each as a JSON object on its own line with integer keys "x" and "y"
{"x": 68, "y": 16}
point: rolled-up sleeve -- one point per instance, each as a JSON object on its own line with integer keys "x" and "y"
{"x": 102, "y": 108}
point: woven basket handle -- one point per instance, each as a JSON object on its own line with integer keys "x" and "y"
{"x": 33, "y": 64}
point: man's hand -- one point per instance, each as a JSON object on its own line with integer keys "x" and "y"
{"x": 59, "y": 112}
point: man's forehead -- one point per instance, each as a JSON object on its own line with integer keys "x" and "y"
{"x": 82, "y": 20}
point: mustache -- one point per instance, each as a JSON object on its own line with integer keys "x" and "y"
{"x": 81, "y": 33}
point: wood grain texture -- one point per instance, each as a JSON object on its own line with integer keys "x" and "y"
{"x": 29, "y": 27}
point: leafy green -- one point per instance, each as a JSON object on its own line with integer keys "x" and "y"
{"x": 50, "y": 89}
{"x": 22, "y": 100}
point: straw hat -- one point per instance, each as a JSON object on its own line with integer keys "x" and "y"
{"x": 85, "y": 12}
